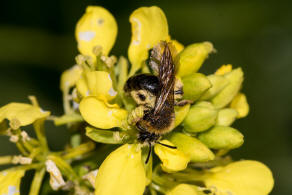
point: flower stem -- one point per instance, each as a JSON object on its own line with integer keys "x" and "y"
{"x": 37, "y": 181}
{"x": 40, "y": 133}
{"x": 5, "y": 160}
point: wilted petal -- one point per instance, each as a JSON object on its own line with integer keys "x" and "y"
{"x": 172, "y": 159}
{"x": 122, "y": 173}
{"x": 242, "y": 178}
{"x": 10, "y": 181}
{"x": 149, "y": 27}
{"x": 101, "y": 115}
{"x": 97, "y": 27}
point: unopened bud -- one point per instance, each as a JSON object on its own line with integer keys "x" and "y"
{"x": 226, "y": 117}
{"x": 195, "y": 85}
{"x": 218, "y": 83}
{"x": 239, "y": 103}
{"x": 193, "y": 147}
{"x": 192, "y": 58}
{"x": 220, "y": 137}
{"x": 235, "y": 78}
{"x": 201, "y": 117}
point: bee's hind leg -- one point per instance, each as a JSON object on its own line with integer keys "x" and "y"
{"x": 183, "y": 102}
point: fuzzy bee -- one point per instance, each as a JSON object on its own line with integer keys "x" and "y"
{"x": 155, "y": 97}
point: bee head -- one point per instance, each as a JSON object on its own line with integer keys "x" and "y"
{"x": 143, "y": 88}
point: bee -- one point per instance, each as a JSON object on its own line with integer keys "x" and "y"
{"x": 156, "y": 97}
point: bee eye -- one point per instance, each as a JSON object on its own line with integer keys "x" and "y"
{"x": 141, "y": 96}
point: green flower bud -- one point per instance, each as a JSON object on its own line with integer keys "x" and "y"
{"x": 192, "y": 58}
{"x": 220, "y": 137}
{"x": 239, "y": 103}
{"x": 193, "y": 147}
{"x": 195, "y": 85}
{"x": 106, "y": 136}
{"x": 235, "y": 78}
{"x": 218, "y": 83}
{"x": 201, "y": 117}
{"x": 226, "y": 117}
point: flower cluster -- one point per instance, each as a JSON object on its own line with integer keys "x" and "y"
{"x": 96, "y": 105}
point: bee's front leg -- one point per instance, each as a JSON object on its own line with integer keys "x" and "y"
{"x": 136, "y": 115}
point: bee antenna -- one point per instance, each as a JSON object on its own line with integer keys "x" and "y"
{"x": 172, "y": 147}
{"x": 149, "y": 153}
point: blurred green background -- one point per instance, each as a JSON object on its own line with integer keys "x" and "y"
{"x": 37, "y": 43}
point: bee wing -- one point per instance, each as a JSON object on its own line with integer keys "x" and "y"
{"x": 166, "y": 78}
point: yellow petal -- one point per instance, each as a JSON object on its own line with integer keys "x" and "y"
{"x": 183, "y": 189}
{"x": 192, "y": 58}
{"x": 242, "y": 178}
{"x": 122, "y": 173}
{"x": 239, "y": 103}
{"x": 70, "y": 77}
{"x": 149, "y": 27}
{"x": 10, "y": 181}
{"x": 224, "y": 69}
{"x": 100, "y": 115}
{"x": 96, "y": 83}
{"x": 178, "y": 46}
{"x": 23, "y": 114}
{"x": 172, "y": 159}
{"x": 97, "y": 27}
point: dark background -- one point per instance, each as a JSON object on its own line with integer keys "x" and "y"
{"x": 37, "y": 43}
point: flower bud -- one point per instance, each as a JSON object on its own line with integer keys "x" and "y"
{"x": 241, "y": 178}
{"x": 220, "y": 137}
{"x": 235, "y": 78}
{"x": 181, "y": 113}
{"x": 193, "y": 147}
{"x": 70, "y": 77}
{"x": 201, "y": 117}
{"x": 218, "y": 83}
{"x": 102, "y": 115}
{"x": 97, "y": 27}
{"x": 122, "y": 172}
{"x": 183, "y": 189}
{"x": 149, "y": 27}
{"x": 239, "y": 103}
{"x": 194, "y": 85}
{"x": 226, "y": 117}
{"x": 106, "y": 136}
{"x": 96, "y": 83}
{"x": 172, "y": 159}
{"x": 192, "y": 57}
{"x": 10, "y": 181}
{"x": 24, "y": 114}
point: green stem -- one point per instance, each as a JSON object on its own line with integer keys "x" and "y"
{"x": 40, "y": 133}
{"x": 22, "y": 149}
{"x": 67, "y": 118}
{"x": 37, "y": 181}
{"x": 79, "y": 150}
{"x": 5, "y": 160}
{"x": 27, "y": 167}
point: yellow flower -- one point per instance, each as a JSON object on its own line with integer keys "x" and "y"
{"x": 97, "y": 27}
{"x": 172, "y": 159}
{"x": 149, "y": 27}
{"x": 10, "y": 181}
{"x": 122, "y": 173}
{"x": 70, "y": 77}
{"x": 224, "y": 69}
{"x": 183, "y": 189}
{"x": 96, "y": 83}
{"x": 101, "y": 115}
{"x": 21, "y": 114}
{"x": 245, "y": 177}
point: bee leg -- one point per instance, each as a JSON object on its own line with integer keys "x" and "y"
{"x": 183, "y": 102}
{"x": 172, "y": 147}
{"x": 136, "y": 115}
{"x": 149, "y": 153}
